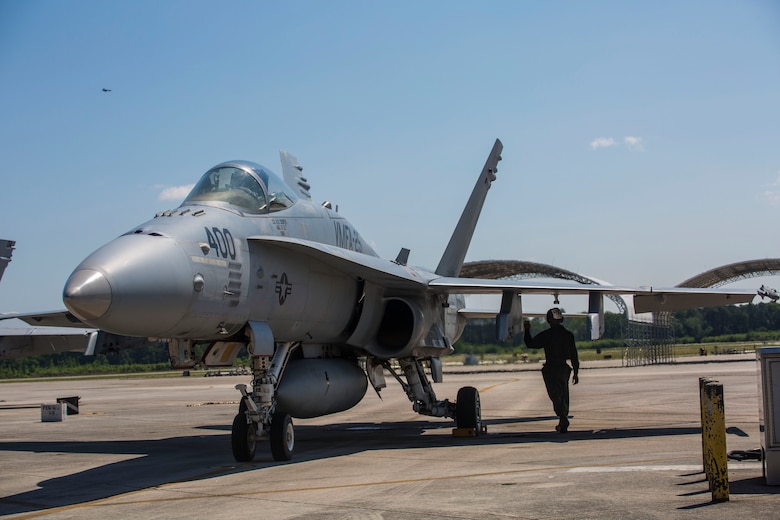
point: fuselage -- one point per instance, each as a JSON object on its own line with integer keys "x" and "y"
{"x": 194, "y": 272}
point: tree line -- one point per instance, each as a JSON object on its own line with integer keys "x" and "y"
{"x": 759, "y": 322}
{"x": 733, "y": 323}
{"x": 144, "y": 359}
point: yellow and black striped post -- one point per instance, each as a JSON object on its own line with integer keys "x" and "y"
{"x": 705, "y": 466}
{"x": 714, "y": 441}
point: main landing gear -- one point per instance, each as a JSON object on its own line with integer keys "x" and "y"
{"x": 467, "y": 411}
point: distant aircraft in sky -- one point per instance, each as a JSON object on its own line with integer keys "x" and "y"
{"x": 768, "y": 292}
{"x": 248, "y": 260}
{"x": 106, "y": 90}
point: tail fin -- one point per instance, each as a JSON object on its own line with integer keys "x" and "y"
{"x": 452, "y": 259}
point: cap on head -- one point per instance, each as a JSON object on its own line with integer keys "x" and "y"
{"x": 554, "y": 315}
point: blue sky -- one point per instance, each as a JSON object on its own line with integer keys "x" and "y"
{"x": 641, "y": 139}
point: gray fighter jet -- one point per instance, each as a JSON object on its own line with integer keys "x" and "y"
{"x": 248, "y": 260}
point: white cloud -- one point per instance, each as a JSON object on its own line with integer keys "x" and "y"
{"x": 634, "y": 143}
{"x": 602, "y": 142}
{"x": 772, "y": 195}
{"x": 629, "y": 141}
{"x": 175, "y": 192}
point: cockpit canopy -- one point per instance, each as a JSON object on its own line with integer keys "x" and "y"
{"x": 251, "y": 187}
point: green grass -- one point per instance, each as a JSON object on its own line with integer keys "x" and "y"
{"x": 502, "y": 355}
{"x": 590, "y": 354}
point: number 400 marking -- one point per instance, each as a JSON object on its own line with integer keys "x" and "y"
{"x": 221, "y": 242}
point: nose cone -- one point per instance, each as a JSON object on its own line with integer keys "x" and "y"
{"x": 87, "y": 294}
{"x": 137, "y": 285}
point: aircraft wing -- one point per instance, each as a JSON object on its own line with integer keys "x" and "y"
{"x": 646, "y": 299}
{"x": 34, "y": 341}
{"x": 404, "y": 278}
{"x": 382, "y": 272}
{"x": 46, "y": 319}
{"x": 19, "y": 342}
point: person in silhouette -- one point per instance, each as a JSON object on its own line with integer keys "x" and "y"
{"x": 558, "y": 345}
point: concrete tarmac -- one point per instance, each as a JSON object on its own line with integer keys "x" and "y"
{"x": 160, "y": 448}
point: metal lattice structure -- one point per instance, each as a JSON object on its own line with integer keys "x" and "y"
{"x": 517, "y": 270}
{"x": 652, "y": 343}
{"x": 726, "y": 274}
{"x": 645, "y": 341}
{"x": 648, "y": 342}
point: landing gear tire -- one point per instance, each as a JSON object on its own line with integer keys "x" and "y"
{"x": 282, "y": 436}
{"x": 468, "y": 412}
{"x": 243, "y": 439}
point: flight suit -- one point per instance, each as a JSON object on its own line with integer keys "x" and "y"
{"x": 558, "y": 345}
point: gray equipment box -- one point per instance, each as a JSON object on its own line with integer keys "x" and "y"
{"x": 769, "y": 412}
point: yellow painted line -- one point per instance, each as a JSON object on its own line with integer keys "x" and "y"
{"x": 491, "y": 387}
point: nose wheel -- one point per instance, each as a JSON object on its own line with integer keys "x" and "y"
{"x": 282, "y": 436}
{"x": 243, "y": 438}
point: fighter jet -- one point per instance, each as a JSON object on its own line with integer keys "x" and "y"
{"x": 249, "y": 260}
{"x": 106, "y": 90}
{"x": 768, "y": 292}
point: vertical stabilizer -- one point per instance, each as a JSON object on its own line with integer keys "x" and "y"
{"x": 453, "y": 257}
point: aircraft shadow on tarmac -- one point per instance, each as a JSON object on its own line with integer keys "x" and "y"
{"x": 198, "y": 457}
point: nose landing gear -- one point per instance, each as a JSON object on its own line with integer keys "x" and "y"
{"x": 258, "y": 418}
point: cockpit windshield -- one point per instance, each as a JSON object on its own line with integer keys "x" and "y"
{"x": 249, "y": 186}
